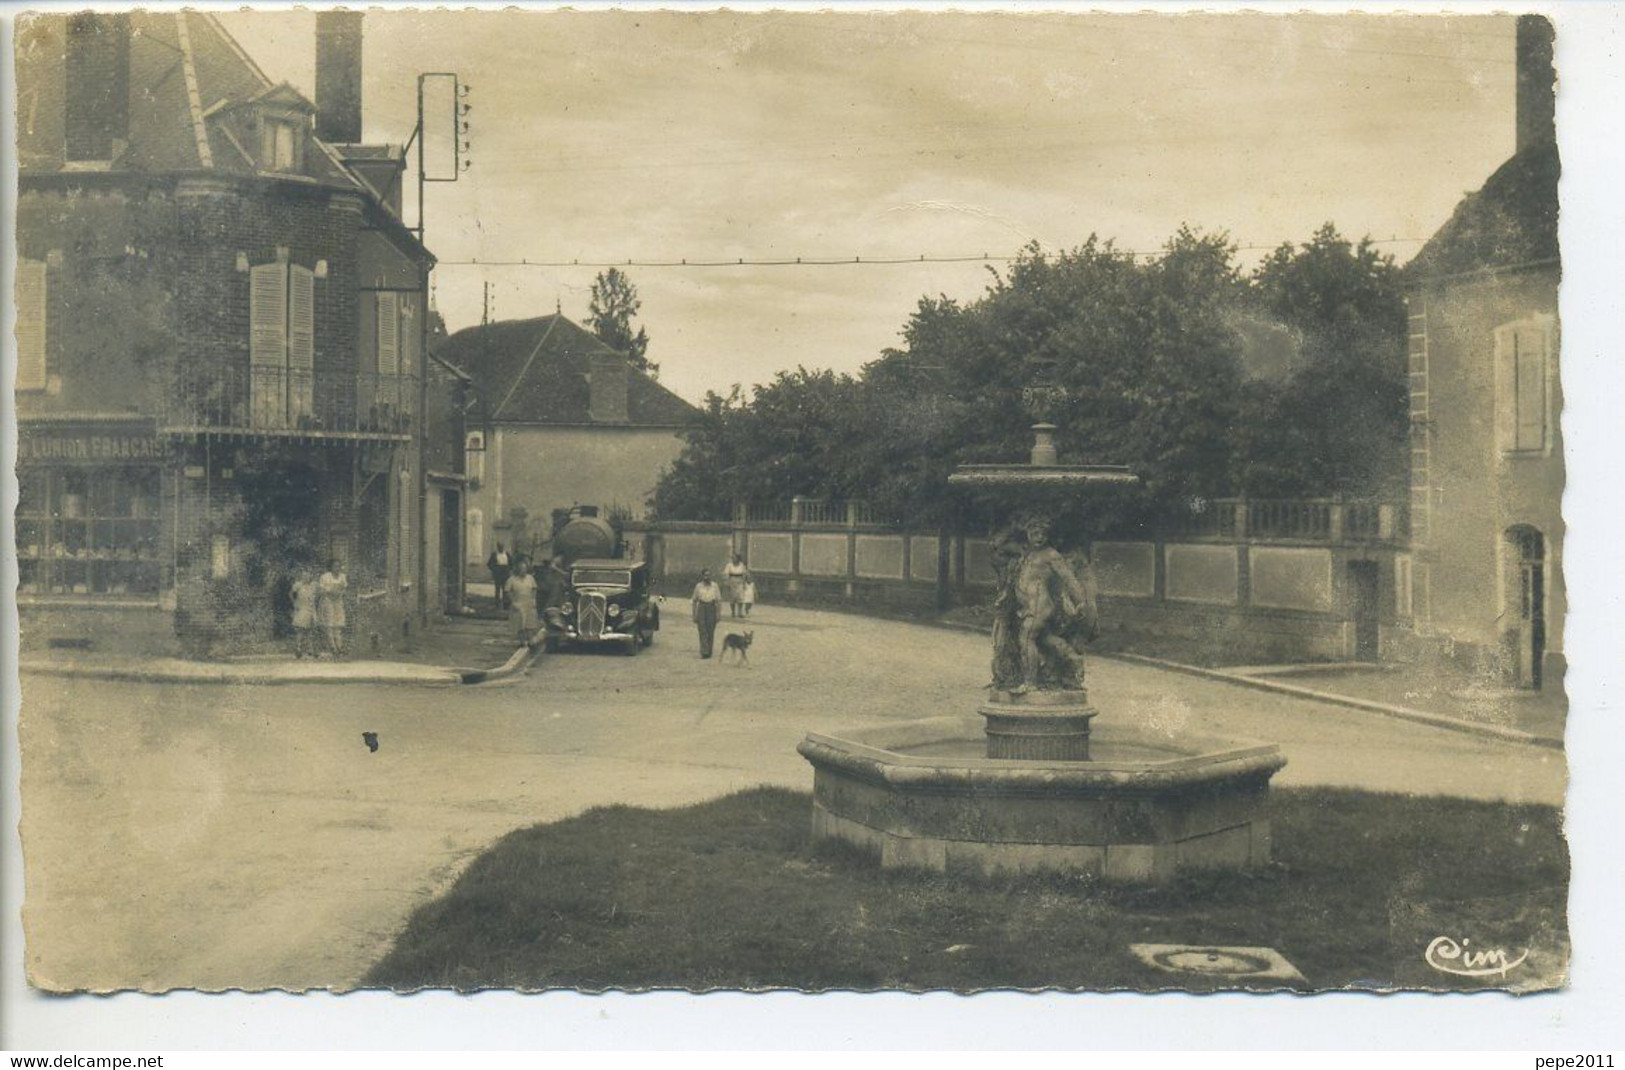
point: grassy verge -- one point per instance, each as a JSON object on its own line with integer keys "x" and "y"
{"x": 731, "y": 894}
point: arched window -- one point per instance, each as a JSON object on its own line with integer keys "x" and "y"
{"x": 474, "y": 457}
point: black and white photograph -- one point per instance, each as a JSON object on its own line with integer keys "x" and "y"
{"x": 907, "y": 500}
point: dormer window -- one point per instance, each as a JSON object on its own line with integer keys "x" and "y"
{"x": 282, "y": 143}
{"x": 271, "y": 131}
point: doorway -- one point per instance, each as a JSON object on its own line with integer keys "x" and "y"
{"x": 1528, "y": 550}
{"x": 1363, "y": 607}
{"x": 280, "y": 520}
{"x": 451, "y": 551}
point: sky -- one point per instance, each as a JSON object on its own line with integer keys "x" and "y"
{"x": 607, "y": 136}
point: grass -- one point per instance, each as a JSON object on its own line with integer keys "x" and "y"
{"x": 732, "y": 894}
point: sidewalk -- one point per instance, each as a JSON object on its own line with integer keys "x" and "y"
{"x": 1460, "y": 704}
{"x": 466, "y": 650}
{"x": 1456, "y": 703}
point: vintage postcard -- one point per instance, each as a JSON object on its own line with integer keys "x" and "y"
{"x": 813, "y": 500}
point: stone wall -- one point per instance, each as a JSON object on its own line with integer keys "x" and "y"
{"x": 1214, "y": 599}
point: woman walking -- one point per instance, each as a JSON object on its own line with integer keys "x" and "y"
{"x": 521, "y": 592}
{"x": 734, "y": 575}
{"x": 706, "y": 610}
{"x": 330, "y": 594}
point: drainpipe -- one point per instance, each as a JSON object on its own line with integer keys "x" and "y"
{"x": 423, "y": 451}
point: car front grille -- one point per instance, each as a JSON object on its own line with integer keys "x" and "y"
{"x": 590, "y": 619}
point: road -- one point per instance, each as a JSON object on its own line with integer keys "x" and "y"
{"x": 216, "y": 837}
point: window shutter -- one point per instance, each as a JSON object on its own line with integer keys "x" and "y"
{"x": 301, "y": 342}
{"x": 268, "y": 344}
{"x": 1506, "y": 389}
{"x": 409, "y": 335}
{"x": 389, "y": 334}
{"x": 1530, "y": 346}
{"x": 31, "y": 366}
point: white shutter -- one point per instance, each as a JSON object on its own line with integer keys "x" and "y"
{"x": 268, "y": 345}
{"x": 1506, "y": 389}
{"x": 389, "y": 334}
{"x": 409, "y": 335}
{"x": 301, "y": 342}
{"x": 31, "y": 366}
{"x": 1529, "y": 345}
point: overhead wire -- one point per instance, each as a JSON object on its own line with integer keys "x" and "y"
{"x": 816, "y": 261}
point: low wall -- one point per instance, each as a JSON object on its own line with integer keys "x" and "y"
{"x": 1208, "y": 599}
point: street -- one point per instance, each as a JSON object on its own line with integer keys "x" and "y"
{"x": 219, "y": 837}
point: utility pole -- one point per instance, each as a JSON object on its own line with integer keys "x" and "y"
{"x": 460, "y": 108}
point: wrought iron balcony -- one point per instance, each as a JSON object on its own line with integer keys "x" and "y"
{"x": 283, "y": 401}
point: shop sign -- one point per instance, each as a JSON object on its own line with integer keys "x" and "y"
{"x": 35, "y": 445}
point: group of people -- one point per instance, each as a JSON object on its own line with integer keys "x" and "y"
{"x": 318, "y": 603}
{"x": 738, "y": 587}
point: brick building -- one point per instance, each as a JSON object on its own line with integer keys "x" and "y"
{"x": 220, "y": 339}
{"x": 559, "y": 419}
{"x": 1486, "y": 446}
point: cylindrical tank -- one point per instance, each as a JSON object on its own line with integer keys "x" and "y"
{"x": 585, "y": 536}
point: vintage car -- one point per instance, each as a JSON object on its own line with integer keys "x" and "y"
{"x": 608, "y": 602}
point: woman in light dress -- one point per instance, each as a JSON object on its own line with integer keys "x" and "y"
{"x": 734, "y": 577}
{"x": 330, "y": 594}
{"x": 304, "y": 612}
{"x": 521, "y": 591}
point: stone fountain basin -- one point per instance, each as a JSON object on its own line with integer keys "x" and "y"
{"x": 1144, "y": 809}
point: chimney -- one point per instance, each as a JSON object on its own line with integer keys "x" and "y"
{"x": 338, "y": 77}
{"x": 96, "y": 108}
{"x": 606, "y": 389}
{"x": 1537, "y": 82}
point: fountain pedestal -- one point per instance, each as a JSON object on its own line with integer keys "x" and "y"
{"x": 1038, "y": 725}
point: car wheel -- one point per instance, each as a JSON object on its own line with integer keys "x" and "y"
{"x": 646, "y": 637}
{"x": 632, "y": 646}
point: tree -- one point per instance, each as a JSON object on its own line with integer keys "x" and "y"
{"x": 1337, "y": 424}
{"x": 1143, "y": 364}
{"x": 609, "y": 313}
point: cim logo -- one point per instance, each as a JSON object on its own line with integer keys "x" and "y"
{"x": 1447, "y": 956}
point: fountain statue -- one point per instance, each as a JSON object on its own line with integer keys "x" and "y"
{"x": 1022, "y": 787}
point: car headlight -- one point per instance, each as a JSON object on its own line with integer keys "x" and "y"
{"x": 614, "y": 610}
{"x": 568, "y": 609}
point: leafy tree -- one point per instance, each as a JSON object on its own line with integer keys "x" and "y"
{"x": 613, "y": 303}
{"x": 1140, "y": 363}
{"x": 1337, "y": 423}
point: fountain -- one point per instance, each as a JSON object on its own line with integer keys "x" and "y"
{"x": 1028, "y": 784}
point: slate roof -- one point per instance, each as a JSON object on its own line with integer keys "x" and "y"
{"x": 163, "y": 123}
{"x": 1511, "y": 221}
{"x": 523, "y": 382}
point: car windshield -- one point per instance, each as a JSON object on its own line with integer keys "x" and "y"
{"x": 607, "y": 577}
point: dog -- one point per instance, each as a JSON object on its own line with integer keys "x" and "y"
{"x": 740, "y": 643}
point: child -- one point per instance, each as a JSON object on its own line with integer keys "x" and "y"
{"x": 747, "y": 593}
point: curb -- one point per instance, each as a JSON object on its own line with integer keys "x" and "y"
{"x": 518, "y": 662}
{"x": 1405, "y": 713}
{"x": 446, "y": 677}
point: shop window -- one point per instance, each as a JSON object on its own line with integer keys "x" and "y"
{"x": 89, "y": 532}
